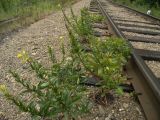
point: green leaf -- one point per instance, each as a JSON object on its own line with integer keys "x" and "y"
{"x": 119, "y": 91}
{"x": 51, "y": 54}
{"x": 44, "y": 85}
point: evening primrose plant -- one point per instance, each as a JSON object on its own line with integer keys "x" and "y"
{"x": 57, "y": 95}
{"x": 23, "y": 56}
{"x": 82, "y": 26}
{"x": 106, "y": 61}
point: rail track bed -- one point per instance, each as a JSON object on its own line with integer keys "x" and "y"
{"x": 143, "y": 70}
{"x": 142, "y": 32}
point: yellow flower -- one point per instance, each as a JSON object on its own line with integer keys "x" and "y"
{"x": 3, "y": 89}
{"x": 61, "y": 37}
{"x": 59, "y": 5}
{"x": 19, "y": 55}
{"x": 23, "y": 56}
{"x": 24, "y": 52}
{"x": 107, "y": 68}
{"x": 25, "y": 59}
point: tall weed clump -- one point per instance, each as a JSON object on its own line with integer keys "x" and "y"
{"x": 106, "y": 61}
{"x": 57, "y": 94}
{"x": 106, "y": 58}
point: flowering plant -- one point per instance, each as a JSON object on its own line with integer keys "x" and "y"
{"x": 57, "y": 94}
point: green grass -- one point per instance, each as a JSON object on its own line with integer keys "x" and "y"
{"x": 21, "y": 8}
{"x": 141, "y": 6}
{"x": 17, "y": 8}
{"x": 28, "y": 11}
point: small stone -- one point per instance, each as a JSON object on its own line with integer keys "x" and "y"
{"x": 35, "y": 44}
{"x": 112, "y": 111}
{"x": 138, "y": 110}
{"x": 34, "y": 54}
{"x": 25, "y": 66}
{"x": 34, "y": 48}
{"x": 97, "y": 118}
{"x": 127, "y": 95}
{"x": 101, "y": 110}
{"x": 109, "y": 117}
{"x": 121, "y": 109}
{"x": 1, "y": 113}
{"x": 125, "y": 105}
{"x": 19, "y": 48}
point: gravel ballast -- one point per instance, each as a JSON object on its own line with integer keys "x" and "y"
{"x": 124, "y": 14}
{"x": 155, "y": 67}
{"x": 141, "y": 35}
{"x": 137, "y": 28}
{"x": 146, "y": 46}
{"x": 136, "y": 23}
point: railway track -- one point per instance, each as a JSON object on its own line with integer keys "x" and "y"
{"x": 142, "y": 32}
{"x": 3, "y": 22}
{"x": 143, "y": 35}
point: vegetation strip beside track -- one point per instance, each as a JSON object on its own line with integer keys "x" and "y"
{"x": 145, "y": 82}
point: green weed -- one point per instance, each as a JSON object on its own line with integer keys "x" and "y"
{"x": 58, "y": 93}
{"x": 106, "y": 59}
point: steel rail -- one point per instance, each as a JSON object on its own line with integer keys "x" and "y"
{"x": 144, "y": 81}
{"x": 8, "y": 21}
